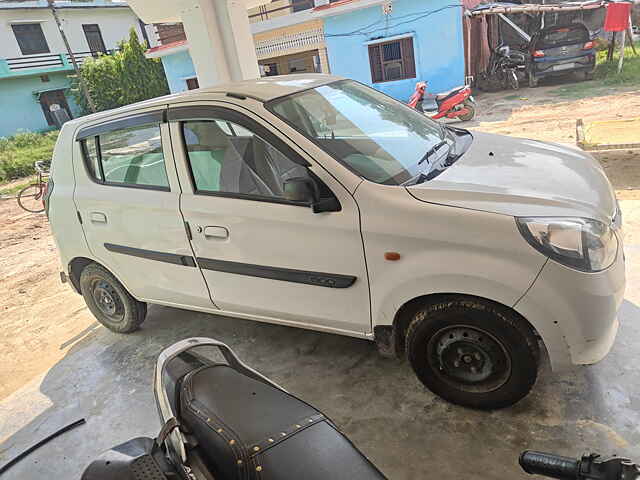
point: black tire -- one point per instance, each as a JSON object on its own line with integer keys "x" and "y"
{"x": 472, "y": 112}
{"x": 473, "y": 352}
{"x": 109, "y": 301}
{"x": 30, "y": 198}
{"x": 533, "y": 81}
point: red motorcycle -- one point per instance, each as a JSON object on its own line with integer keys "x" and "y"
{"x": 456, "y": 103}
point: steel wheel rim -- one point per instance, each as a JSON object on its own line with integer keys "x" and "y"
{"x": 108, "y": 300}
{"x": 469, "y": 359}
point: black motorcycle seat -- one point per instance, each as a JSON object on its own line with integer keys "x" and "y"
{"x": 247, "y": 428}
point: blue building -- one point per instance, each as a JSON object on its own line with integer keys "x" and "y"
{"x": 287, "y": 38}
{"x": 177, "y": 64}
{"x": 392, "y": 45}
{"x": 387, "y": 44}
{"x": 34, "y": 64}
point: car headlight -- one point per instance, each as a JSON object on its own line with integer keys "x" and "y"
{"x": 580, "y": 243}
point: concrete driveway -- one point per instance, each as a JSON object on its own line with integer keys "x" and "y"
{"x": 408, "y": 432}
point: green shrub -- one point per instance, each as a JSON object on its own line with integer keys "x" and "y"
{"x": 608, "y": 71}
{"x": 20, "y": 152}
{"x": 122, "y": 78}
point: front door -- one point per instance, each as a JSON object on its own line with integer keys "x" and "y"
{"x": 261, "y": 254}
{"x": 94, "y": 39}
{"x": 127, "y": 194}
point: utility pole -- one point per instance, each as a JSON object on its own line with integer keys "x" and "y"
{"x": 83, "y": 85}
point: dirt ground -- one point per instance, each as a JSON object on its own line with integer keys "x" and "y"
{"x": 40, "y": 316}
{"x": 42, "y": 319}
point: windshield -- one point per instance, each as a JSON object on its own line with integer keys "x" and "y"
{"x": 375, "y": 136}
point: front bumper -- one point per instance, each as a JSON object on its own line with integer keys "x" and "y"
{"x": 574, "y": 312}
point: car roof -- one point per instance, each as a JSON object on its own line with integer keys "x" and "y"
{"x": 261, "y": 89}
{"x": 268, "y": 88}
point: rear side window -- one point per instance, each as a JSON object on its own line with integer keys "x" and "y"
{"x": 128, "y": 157}
{"x": 563, "y": 36}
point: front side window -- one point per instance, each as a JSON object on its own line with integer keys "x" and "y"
{"x": 30, "y": 38}
{"x": 227, "y": 158}
{"x": 129, "y": 156}
{"x": 375, "y": 136}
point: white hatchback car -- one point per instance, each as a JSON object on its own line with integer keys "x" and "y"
{"x": 316, "y": 202}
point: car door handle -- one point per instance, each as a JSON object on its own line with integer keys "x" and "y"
{"x": 98, "y": 217}
{"x": 216, "y": 232}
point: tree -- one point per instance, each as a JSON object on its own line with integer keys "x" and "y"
{"x": 124, "y": 77}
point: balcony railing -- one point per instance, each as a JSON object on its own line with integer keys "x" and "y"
{"x": 45, "y": 62}
{"x": 291, "y": 43}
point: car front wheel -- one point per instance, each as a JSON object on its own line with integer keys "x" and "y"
{"x": 473, "y": 352}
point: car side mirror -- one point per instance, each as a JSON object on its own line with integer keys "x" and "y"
{"x": 301, "y": 189}
{"x": 306, "y": 190}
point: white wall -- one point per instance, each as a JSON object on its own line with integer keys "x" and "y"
{"x": 114, "y": 24}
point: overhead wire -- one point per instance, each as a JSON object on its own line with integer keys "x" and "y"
{"x": 369, "y": 30}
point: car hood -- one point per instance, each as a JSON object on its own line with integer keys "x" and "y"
{"x": 522, "y": 177}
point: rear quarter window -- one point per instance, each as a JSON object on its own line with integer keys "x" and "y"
{"x": 128, "y": 157}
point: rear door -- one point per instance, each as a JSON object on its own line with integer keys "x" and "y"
{"x": 261, "y": 254}
{"x": 127, "y": 195}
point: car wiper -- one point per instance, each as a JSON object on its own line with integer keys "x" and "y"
{"x": 431, "y": 151}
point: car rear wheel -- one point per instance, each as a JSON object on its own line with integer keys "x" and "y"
{"x": 109, "y": 301}
{"x": 473, "y": 352}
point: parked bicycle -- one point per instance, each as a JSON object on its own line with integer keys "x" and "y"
{"x": 505, "y": 66}
{"x": 31, "y": 197}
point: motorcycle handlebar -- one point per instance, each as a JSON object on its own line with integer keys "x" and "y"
{"x": 548, "y": 465}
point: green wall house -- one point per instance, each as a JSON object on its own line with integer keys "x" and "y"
{"x": 26, "y": 99}
{"x": 34, "y": 64}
